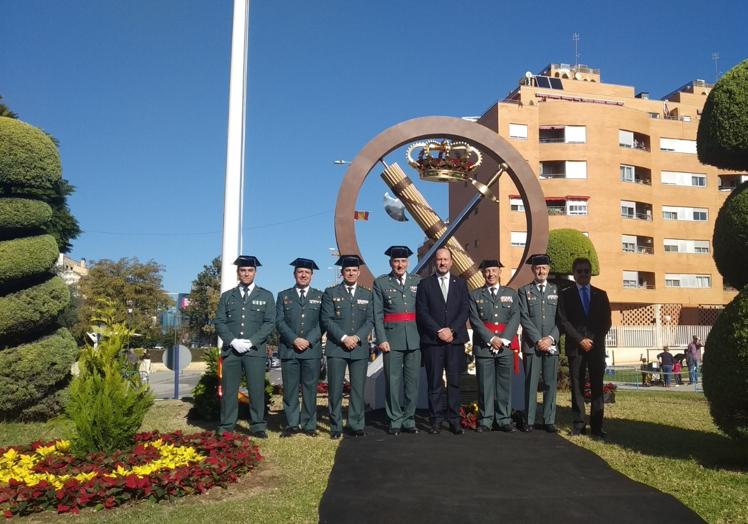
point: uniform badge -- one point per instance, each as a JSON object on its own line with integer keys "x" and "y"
{"x": 313, "y": 301}
{"x": 506, "y": 300}
{"x": 361, "y": 301}
{"x": 552, "y": 297}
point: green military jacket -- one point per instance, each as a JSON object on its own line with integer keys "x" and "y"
{"x": 252, "y": 318}
{"x": 346, "y": 315}
{"x": 294, "y": 319}
{"x": 538, "y": 314}
{"x": 504, "y": 309}
{"x": 390, "y": 298}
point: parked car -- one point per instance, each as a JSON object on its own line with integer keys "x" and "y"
{"x": 273, "y": 361}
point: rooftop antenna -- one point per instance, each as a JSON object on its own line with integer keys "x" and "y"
{"x": 715, "y": 58}
{"x": 575, "y": 37}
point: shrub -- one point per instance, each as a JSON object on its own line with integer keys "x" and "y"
{"x": 31, "y": 309}
{"x": 564, "y": 245}
{"x": 722, "y": 139}
{"x": 107, "y": 404}
{"x": 22, "y": 215}
{"x": 730, "y": 239}
{"x": 726, "y": 368}
{"x": 25, "y": 257}
{"x": 28, "y": 157}
{"x": 31, "y": 371}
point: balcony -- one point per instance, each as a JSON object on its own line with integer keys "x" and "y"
{"x": 730, "y": 182}
{"x": 638, "y": 280}
{"x": 636, "y": 175}
{"x": 633, "y": 140}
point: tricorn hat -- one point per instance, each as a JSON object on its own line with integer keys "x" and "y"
{"x": 247, "y": 261}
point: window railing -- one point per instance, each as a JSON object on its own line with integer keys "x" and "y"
{"x": 637, "y": 216}
{"x": 644, "y": 181}
{"x": 551, "y": 140}
{"x": 645, "y": 250}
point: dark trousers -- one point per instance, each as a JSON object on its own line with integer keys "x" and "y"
{"x": 594, "y": 363}
{"x": 253, "y": 368}
{"x": 437, "y": 360}
{"x": 302, "y": 372}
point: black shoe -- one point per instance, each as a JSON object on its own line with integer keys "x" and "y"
{"x": 507, "y": 428}
{"x": 289, "y": 432}
{"x": 527, "y": 428}
{"x": 482, "y": 429}
{"x": 457, "y": 430}
{"x": 576, "y": 431}
{"x": 359, "y": 433}
{"x": 412, "y": 431}
{"x": 393, "y": 431}
{"x": 310, "y": 432}
{"x": 599, "y": 434}
{"x": 551, "y": 428}
{"x": 434, "y": 430}
{"x": 335, "y": 435}
{"x": 260, "y": 434}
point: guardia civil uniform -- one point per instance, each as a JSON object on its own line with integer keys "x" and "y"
{"x": 490, "y": 316}
{"x": 244, "y": 315}
{"x": 395, "y": 323}
{"x": 297, "y": 316}
{"x": 343, "y": 315}
{"x": 538, "y": 318}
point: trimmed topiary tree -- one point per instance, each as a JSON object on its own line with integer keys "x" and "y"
{"x": 722, "y": 139}
{"x": 35, "y": 354}
{"x": 725, "y": 368}
{"x": 564, "y": 245}
{"x": 730, "y": 238}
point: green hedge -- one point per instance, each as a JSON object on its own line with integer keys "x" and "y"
{"x": 32, "y": 376}
{"x": 26, "y": 310}
{"x": 25, "y": 257}
{"x": 28, "y": 157}
{"x": 722, "y": 139}
{"x": 564, "y": 245}
{"x": 726, "y": 368}
{"x": 18, "y": 215}
{"x": 730, "y": 238}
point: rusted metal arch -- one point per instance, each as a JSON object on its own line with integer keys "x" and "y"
{"x": 491, "y": 145}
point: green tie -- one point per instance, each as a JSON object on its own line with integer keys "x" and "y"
{"x": 444, "y": 287}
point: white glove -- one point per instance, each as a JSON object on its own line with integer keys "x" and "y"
{"x": 505, "y": 342}
{"x": 241, "y": 345}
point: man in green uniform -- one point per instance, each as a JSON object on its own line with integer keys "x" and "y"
{"x": 300, "y": 348}
{"x": 494, "y": 316}
{"x": 397, "y": 335}
{"x": 348, "y": 317}
{"x": 244, "y": 320}
{"x": 538, "y": 301}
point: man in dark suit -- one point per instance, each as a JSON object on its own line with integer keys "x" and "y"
{"x": 441, "y": 314}
{"x": 584, "y": 316}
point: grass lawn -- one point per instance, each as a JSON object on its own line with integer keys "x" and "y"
{"x": 665, "y": 440}
{"x": 668, "y": 440}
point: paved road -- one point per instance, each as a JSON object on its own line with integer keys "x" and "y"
{"x": 162, "y": 381}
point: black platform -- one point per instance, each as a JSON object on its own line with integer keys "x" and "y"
{"x": 487, "y": 477}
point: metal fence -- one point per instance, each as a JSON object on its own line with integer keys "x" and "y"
{"x": 654, "y": 336}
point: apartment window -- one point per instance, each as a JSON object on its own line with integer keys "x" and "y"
{"x": 671, "y": 247}
{"x": 518, "y": 131}
{"x": 631, "y": 279}
{"x": 669, "y": 215}
{"x": 576, "y": 207}
{"x": 576, "y": 169}
{"x": 519, "y": 238}
{"x": 628, "y": 243}
{"x": 516, "y": 204}
{"x": 701, "y": 247}
{"x": 674, "y": 245}
{"x": 679, "y": 178}
{"x": 688, "y": 281}
{"x": 625, "y": 138}
{"x": 678, "y": 145}
{"x": 628, "y": 209}
{"x": 575, "y": 135}
{"x": 627, "y": 173}
{"x": 700, "y": 215}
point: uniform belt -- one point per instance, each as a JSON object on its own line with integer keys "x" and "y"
{"x": 514, "y": 344}
{"x": 400, "y": 317}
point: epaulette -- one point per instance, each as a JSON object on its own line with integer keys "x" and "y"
{"x": 364, "y": 287}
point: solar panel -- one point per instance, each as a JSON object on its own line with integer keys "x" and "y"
{"x": 542, "y": 81}
{"x": 556, "y": 83}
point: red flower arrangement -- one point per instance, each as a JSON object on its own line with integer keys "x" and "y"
{"x": 109, "y": 481}
{"x": 323, "y": 388}
{"x": 469, "y": 416}
{"x": 609, "y": 392}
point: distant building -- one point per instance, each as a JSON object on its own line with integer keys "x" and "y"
{"x": 623, "y": 169}
{"x": 71, "y": 271}
{"x": 174, "y": 316}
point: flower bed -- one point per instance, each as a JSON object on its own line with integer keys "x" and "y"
{"x": 469, "y": 415}
{"x": 609, "y": 393}
{"x": 46, "y": 476}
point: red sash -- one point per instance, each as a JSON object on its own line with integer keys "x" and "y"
{"x": 399, "y": 317}
{"x": 499, "y": 328}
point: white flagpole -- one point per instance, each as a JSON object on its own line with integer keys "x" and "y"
{"x": 234, "y": 192}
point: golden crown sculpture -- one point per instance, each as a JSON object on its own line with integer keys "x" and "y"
{"x": 444, "y": 161}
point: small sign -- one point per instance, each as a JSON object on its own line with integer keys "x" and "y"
{"x": 183, "y": 360}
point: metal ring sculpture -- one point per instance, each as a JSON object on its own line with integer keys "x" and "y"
{"x": 493, "y": 146}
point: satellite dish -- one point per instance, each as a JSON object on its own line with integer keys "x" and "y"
{"x": 577, "y": 75}
{"x": 528, "y": 75}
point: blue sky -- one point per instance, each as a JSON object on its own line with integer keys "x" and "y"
{"x": 137, "y": 93}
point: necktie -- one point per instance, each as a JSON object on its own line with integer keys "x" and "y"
{"x": 301, "y": 295}
{"x": 350, "y": 290}
{"x": 586, "y": 300}
{"x": 493, "y": 292}
{"x": 245, "y": 292}
{"x": 401, "y": 281}
{"x": 541, "y": 287}
{"x": 443, "y": 284}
